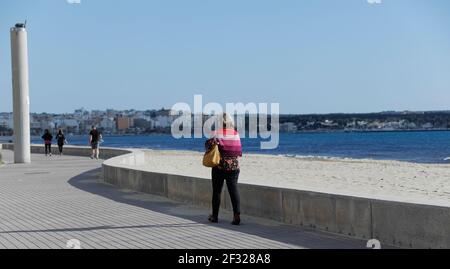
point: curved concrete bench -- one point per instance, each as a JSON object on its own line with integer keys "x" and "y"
{"x": 400, "y": 224}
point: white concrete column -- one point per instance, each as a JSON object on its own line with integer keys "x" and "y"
{"x": 21, "y": 99}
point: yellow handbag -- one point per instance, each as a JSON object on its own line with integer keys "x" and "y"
{"x": 212, "y": 157}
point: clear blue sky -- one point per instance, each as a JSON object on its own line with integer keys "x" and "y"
{"x": 311, "y": 56}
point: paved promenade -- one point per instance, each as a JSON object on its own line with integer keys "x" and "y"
{"x": 56, "y": 199}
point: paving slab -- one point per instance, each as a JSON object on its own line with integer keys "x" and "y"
{"x": 55, "y": 199}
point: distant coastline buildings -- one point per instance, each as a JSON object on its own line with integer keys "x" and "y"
{"x": 159, "y": 121}
{"x": 384, "y": 121}
{"x": 109, "y": 121}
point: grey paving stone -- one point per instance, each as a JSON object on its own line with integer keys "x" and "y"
{"x": 55, "y": 199}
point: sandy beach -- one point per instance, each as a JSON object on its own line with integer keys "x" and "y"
{"x": 387, "y": 180}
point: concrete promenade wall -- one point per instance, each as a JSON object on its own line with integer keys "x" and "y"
{"x": 394, "y": 223}
{"x": 406, "y": 225}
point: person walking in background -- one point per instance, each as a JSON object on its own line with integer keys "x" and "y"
{"x": 94, "y": 140}
{"x": 230, "y": 148}
{"x": 47, "y": 137}
{"x": 61, "y": 139}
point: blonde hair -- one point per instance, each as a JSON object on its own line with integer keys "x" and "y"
{"x": 227, "y": 121}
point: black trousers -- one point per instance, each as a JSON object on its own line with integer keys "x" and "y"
{"x": 218, "y": 178}
{"x": 60, "y": 147}
{"x": 48, "y": 149}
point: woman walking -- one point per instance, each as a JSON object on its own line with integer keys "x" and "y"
{"x": 228, "y": 170}
{"x": 47, "y": 137}
{"x": 61, "y": 139}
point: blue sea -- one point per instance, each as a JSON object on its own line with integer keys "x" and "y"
{"x": 419, "y": 147}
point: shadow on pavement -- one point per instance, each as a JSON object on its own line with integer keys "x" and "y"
{"x": 299, "y": 237}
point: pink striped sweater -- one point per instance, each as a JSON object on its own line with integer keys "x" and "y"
{"x": 230, "y": 148}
